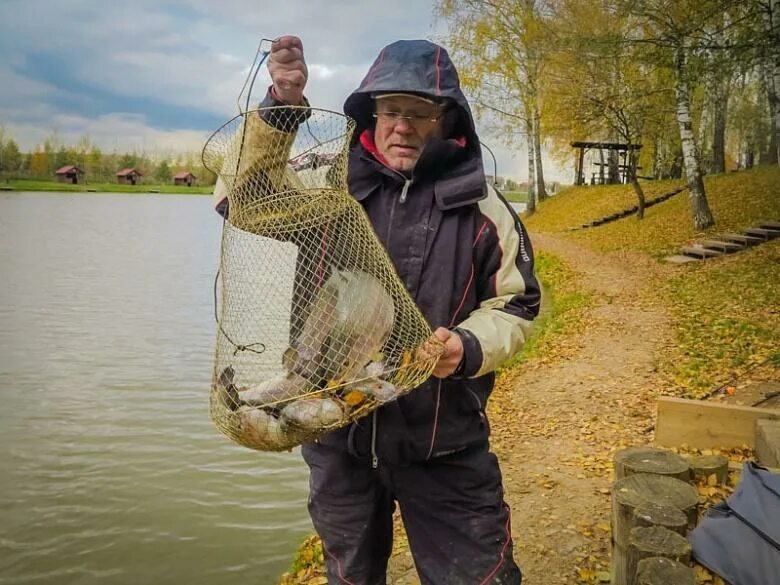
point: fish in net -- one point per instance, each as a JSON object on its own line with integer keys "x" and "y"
{"x": 315, "y": 328}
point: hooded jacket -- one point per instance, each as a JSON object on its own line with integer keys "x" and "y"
{"x": 458, "y": 246}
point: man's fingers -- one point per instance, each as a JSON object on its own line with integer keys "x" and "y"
{"x": 286, "y": 42}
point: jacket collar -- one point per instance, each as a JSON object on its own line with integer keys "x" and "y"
{"x": 456, "y": 175}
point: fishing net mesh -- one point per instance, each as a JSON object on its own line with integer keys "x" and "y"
{"x": 315, "y": 328}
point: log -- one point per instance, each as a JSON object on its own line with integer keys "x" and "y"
{"x": 704, "y": 466}
{"x": 618, "y": 564}
{"x": 650, "y": 460}
{"x": 635, "y": 490}
{"x": 663, "y": 571}
{"x": 654, "y": 541}
{"x": 655, "y": 514}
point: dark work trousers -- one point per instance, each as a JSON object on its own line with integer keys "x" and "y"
{"x": 452, "y": 508}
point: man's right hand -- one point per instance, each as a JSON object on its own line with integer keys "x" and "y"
{"x": 288, "y": 69}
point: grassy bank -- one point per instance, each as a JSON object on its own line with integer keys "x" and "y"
{"x": 31, "y": 185}
{"x": 516, "y": 196}
{"x": 725, "y": 310}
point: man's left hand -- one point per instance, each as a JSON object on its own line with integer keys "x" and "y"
{"x": 453, "y": 352}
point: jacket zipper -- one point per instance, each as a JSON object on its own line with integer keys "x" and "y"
{"x": 374, "y": 458}
{"x": 405, "y": 190}
{"x": 401, "y": 199}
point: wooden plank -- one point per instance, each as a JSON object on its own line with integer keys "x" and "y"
{"x": 716, "y": 245}
{"x": 766, "y": 234}
{"x": 768, "y": 442}
{"x": 680, "y": 259}
{"x": 769, "y": 225}
{"x": 741, "y": 239}
{"x": 705, "y": 425}
{"x": 701, "y": 252}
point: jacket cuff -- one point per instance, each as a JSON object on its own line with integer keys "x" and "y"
{"x": 285, "y": 119}
{"x": 472, "y": 353}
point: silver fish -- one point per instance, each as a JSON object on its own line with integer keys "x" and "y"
{"x": 311, "y": 414}
{"x": 275, "y": 391}
{"x": 379, "y": 390}
{"x": 261, "y": 429}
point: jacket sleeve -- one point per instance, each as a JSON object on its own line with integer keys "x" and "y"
{"x": 257, "y": 155}
{"x": 508, "y": 290}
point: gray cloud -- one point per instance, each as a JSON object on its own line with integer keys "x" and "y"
{"x": 64, "y": 64}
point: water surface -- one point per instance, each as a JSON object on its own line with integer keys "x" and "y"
{"x": 111, "y": 468}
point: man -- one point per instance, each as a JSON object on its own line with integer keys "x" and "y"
{"x": 415, "y": 166}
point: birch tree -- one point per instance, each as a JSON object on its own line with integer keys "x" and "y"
{"x": 498, "y": 45}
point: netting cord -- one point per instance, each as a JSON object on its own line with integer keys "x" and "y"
{"x": 257, "y": 62}
{"x": 238, "y": 347}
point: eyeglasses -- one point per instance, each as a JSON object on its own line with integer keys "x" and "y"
{"x": 413, "y": 119}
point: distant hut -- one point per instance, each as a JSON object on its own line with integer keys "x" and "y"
{"x": 70, "y": 174}
{"x": 128, "y": 177}
{"x": 184, "y": 178}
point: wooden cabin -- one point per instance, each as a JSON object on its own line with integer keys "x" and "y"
{"x": 184, "y": 178}
{"x": 129, "y": 177}
{"x": 70, "y": 174}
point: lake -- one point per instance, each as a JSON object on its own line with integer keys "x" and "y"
{"x": 111, "y": 468}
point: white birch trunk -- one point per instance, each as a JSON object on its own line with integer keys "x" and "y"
{"x": 529, "y": 133}
{"x": 702, "y": 216}
{"x": 772, "y": 65}
{"x": 541, "y": 192}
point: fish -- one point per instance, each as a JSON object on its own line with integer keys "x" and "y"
{"x": 260, "y": 428}
{"x": 226, "y": 390}
{"x": 311, "y": 414}
{"x": 351, "y": 318}
{"x": 275, "y": 391}
{"x": 380, "y": 390}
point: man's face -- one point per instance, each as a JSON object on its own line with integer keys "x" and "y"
{"x": 403, "y": 125}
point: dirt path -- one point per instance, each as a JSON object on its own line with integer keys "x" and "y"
{"x": 557, "y": 424}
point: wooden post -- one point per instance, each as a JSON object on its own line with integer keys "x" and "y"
{"x": 580, "y": 169}
{"x": 655, "y": 541}
{"x": 638, "y": 490}
{"x": 663, "y": 571}
{"x": 704, "y": 466}
{"x": 650, "y": 460}
{"x": 654, "y": 514}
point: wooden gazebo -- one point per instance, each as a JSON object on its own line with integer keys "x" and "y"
{"x": 627, "y": 169}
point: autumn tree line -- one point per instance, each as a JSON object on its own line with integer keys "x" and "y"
{"x": 99, "y": 167}
{"x": 695, "y": 82}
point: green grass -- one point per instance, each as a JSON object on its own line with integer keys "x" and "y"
{"x": 737, "y": 200}
{"x": 32, "y": 185}
{"x": 516, "y": 196}
{"x": 725, "y": 311}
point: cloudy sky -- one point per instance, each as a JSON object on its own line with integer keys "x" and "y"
{"x": 161, "y": 75}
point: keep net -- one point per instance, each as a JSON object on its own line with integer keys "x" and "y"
{"x": 315, "y": 328}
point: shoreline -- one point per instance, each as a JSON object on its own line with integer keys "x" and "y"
{"x": 31, "y": 186}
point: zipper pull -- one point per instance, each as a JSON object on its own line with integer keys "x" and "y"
{"x": 405, "y": 190}
{"x": 374, "y": 458}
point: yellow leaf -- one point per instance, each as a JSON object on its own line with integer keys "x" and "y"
{"x": 712, "y": 479}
